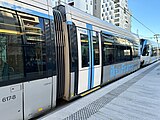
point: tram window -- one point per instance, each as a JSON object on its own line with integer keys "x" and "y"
{"x": 135, "y": 53}
{"x": 128, "y": 53}
{"x": 35, "y": 45}
{"x": 11, "y": 55}
{"x": 50, "y": 46}
{"x": 154, "y": 51}
{"x": 96, "y": 48}
{"x": 120, "y": 53}
{"x": 108, "y": 50}
{"x": 84, "y": 50}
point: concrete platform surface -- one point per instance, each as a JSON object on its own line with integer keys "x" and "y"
{"x": 134, "y": 97}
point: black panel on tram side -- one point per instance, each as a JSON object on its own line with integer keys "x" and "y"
{"x": 29, "y": 56}
{"x": 73, "y": 48}
{"x": 61, "y": 9}
{"x": 101, "y": 58}
{"x": 59, "y": 40}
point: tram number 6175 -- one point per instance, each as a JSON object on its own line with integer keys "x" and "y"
{"x": 8, "y": 98}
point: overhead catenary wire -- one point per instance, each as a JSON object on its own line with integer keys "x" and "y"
{"x": 136, "y": 19}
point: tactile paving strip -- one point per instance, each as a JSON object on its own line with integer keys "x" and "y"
{"x": 96, "y": 105}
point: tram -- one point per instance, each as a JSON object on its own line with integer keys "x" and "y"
{"x": 27, "y": 59}
{"x": 95, "y": 52}
{"x": 149, "y": 51}
{"x": 48, "y": 54}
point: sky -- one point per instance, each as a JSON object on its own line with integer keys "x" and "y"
{"x": 147, "y": 12}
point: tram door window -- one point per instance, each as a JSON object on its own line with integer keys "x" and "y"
{"x": 11, "y": 55}
{"x": 85, "y": 50}
{"x": 96, "y": 48}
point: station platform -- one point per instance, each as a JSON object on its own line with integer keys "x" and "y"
{"x": 134, "y": 97}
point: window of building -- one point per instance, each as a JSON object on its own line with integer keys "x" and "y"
{"x": 116, "y": 15}
{"x": 117, "y": 24}
{"x": 107, "y": 18}
{"x": 117, "y": 5}
{"x": 116, "y": 11}
{"x": 125, "y": 10}
{"x": 116, "y": 20}
{"x": 116, "y": 1}
{"x": 90, "y": 2}
{"x": 86, "y": 6}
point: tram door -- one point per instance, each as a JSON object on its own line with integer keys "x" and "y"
{"x": 89, "y": 60}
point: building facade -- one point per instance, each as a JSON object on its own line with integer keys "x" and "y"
{"x": 112, "y": 11}
{"x": 115, "y": 12}
{"x": 84, "y": 5}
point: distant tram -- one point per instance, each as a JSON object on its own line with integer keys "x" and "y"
{"x": 149, "y": 51}
{"x": 48, "y": 54}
